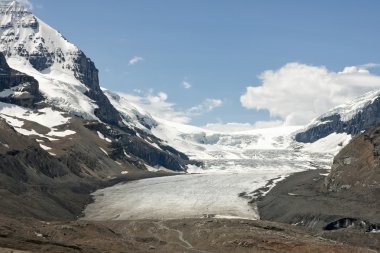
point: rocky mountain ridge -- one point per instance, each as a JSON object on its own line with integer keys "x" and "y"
{"x": 355, "y": 117}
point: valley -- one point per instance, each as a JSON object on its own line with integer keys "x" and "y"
{"x": 87, "y": 169}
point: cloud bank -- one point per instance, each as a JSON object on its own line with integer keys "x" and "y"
{"x": 297, "y": 93}
{"x": 157, "y": 105}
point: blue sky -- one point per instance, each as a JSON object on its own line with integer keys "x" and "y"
{"x": 222, "y": 47}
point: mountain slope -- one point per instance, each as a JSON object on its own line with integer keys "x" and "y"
{"x": 356, "y": 169}
{"x": 50, "y": 160}
{"x": 60, "y": 136}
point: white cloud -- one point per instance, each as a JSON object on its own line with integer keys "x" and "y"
{"x": 27, "y": 3}
{"x": 298, "y": 93}
{"x": 207, "y": 105}
{"x": 157, "y": 105}
{"x": 186, "y": 85}
{"x": 135, "y": 60}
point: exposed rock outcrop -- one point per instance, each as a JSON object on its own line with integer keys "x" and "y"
{"x": 356, "y": 169}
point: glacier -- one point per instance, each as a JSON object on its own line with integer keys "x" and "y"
{"x": 234, "y": 163}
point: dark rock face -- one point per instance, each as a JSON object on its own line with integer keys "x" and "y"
{"x": 23, "y": 83}
{"x": 86, "y": 72}
{"x": 364, "y": 120}
{"x": 41, "y": 60}
{"x": 351, "y": 223}
{"x": 152, "y": 156}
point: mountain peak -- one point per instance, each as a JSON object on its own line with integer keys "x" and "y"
{"x": 33, "y": 47}
{"x": 13, "y": 6}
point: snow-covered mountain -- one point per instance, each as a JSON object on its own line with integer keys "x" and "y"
{"x": 68, "y": 84}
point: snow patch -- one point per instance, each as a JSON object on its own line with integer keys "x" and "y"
{"x": 47, "y": 117}
{"x": 101, "y": 136}
{"x": 105, "y": 152}
{"x": 330, "y": 144}
{"x": 44, "y": 147}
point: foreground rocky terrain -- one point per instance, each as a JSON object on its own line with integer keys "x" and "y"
{"x": 186, "y": 235}
{"x": 299, "y": 200}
